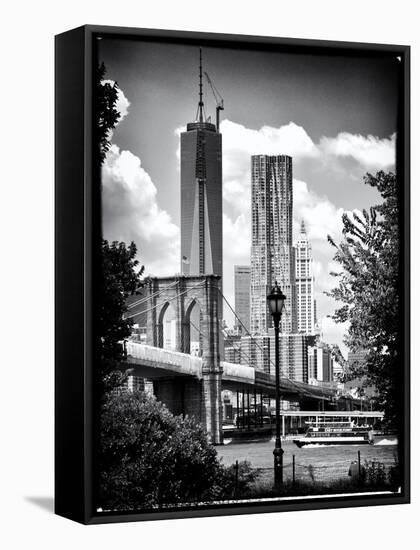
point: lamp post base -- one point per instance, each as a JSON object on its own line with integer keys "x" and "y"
{"x": 278, "y": 467}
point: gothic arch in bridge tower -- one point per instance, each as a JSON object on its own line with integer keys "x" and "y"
{"x": 192, "y": 325}
{"x": 165, "y": 329}
{"x": 159, "y": 326}
{"x": 186, "y": 295}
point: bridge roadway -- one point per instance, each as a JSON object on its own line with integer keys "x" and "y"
{"x": 154, "y": 363}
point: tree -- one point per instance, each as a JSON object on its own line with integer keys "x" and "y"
{"x": 107, "y": 116}
{"x": 148, "y": 457}
{"x": 368, "y": 291}
{"x": 119, "y": 280}
{"x": 339, "y": 358}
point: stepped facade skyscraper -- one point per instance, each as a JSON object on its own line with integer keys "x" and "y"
{"x": 272, "y": 252}
{"x": 242, "y": 293}
{"x": 201, "y": 195}
{"x": 304, "y": 283}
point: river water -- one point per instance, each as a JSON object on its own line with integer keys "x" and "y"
{"x": 316, "y": 462}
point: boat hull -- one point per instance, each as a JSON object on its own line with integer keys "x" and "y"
{"x": 302, "y": 442}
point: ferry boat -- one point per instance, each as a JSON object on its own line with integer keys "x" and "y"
{"x": 335, "y": 433}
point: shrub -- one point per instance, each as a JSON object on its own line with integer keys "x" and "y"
{"x": 394, "y": 476}
{"x": 374, "y": 474}
{"x": 235, "y": 481}
{"x": 148, "y": 457}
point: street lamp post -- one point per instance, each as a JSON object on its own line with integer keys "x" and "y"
{"x": 276, "y": 304}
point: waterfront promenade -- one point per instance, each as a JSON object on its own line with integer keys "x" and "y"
{"x": 324, "y": 463}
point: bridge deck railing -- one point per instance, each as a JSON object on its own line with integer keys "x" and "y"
{"x": 151, "y": 354}
{"x": 187, "y": 364}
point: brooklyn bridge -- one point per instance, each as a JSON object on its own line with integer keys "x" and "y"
{"x": 192, "y": 385}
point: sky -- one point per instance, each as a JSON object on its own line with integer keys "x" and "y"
{"x": 335, "y": 116}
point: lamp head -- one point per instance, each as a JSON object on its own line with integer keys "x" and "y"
{"x": 275, "y": 301}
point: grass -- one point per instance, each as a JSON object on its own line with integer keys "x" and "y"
{"x": 262, "y": 487}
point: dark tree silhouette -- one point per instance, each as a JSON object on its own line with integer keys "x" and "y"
{"x": 120, "y": 278}
{"x": 107, "y": 116}
{"x": 150, "y": 457}
{"x": 368, "y": 290}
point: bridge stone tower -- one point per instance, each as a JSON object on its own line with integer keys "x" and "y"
{"x": 199, "y": 398}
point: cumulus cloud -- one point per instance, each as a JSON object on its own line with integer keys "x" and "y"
{"x": 178, "y": 131}
{"x": 122, "y": 104}
{"x": 239, "y": 143}
{"x": 131, "y": 213}
{"x": 369, "y": 151}
{"x": 130, "y": 207}
{"x": 289, "y": 139}
{"x": 321, "y": 216}
{"x": 238, "y": 232}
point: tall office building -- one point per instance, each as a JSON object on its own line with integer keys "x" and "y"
{"x": 232, "y": 354}
{"x": 259, "y": 352}
{"x": 232, "y": 346}
{"x": 293, "y": 355}
{"x": 242, "y": 297}
{"x": 304, "y": 283}
{"x": 272, "y": 253}
{"x": 255, "y": 352}
{"x": 320, "y": 363}
{"x": 201, "y": 195}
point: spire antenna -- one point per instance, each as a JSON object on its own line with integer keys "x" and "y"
{"x": 200, "y": 103}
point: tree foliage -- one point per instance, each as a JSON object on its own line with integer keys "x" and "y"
{"x": 120, "y": 278}
{"x": 150, "y": 458}
{"x": 339, "y": 358}
{"x": 368, "y": 289}
{"x": 107, "y": 116}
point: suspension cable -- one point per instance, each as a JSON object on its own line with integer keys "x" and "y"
{"x": 169, "y": 300}
{"x": 250, "y": 361}
{"x": 293, "y": 382}
{"x": 224, "y": 331}
{"x": 145, "y": 298}
{"x": 197, "y": 329}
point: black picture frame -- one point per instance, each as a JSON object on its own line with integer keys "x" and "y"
{"x": 77, "y": 227}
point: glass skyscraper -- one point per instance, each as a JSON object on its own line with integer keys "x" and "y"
{"x": 272, "y": 253}
{"x": 201, "y": 196}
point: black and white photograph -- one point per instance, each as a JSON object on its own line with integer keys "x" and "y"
{"x": 250, "y": 293}
{"x": 210, "y": 265}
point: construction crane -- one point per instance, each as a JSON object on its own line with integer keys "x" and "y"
{"x": 218, "y": 98}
